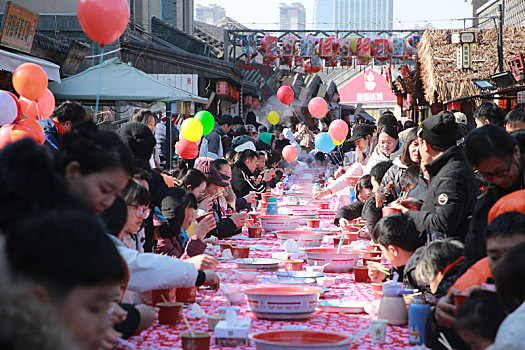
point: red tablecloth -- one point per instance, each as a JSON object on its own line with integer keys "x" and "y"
{"x": 168, "y": 337}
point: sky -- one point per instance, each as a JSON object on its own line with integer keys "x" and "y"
{"x": 264, "y": 14}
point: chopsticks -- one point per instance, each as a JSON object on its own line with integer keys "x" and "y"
{"x": 443, "y": 340}
{"x": 218, "y": 194}
{"x": 383, "y": 270}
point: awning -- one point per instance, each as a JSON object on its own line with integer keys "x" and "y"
{"x": 9, "y": 61}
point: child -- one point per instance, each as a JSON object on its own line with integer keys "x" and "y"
{"x": 479, "y": 318}
{"x": 371, "y": 213}
{"x": 53, "y": 253}
{"x": 400, "y": 243}
{"x": 137, "y": 200}
{"x": 363, "y": 189}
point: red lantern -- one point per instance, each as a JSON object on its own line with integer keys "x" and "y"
{"x": 222, "y": 88}
{"x": 400, "y": 100}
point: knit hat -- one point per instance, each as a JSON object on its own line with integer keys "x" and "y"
{"x": 266, "y": 137}
{"x": 139, "y": 138}
{"x": 211, "y": 173}
{"x": 461, "y": 118}
{"x": 262, "y": 129}
{"x": 237, "y": 120}
{"x": 440, "y": 130}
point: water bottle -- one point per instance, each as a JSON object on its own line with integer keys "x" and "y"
{"x": 353, "y": 198}
{"x": 272, "y": 208}
{"x": 417, "y": 318}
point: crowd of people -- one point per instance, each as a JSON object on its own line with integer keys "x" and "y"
{"x": 96, "y": 218}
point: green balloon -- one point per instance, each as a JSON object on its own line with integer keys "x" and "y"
{"x": 207, "y": 121}
{"x": 266, "y": 137}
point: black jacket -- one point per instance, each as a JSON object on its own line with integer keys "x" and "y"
{"x": 476, "y": 238}
{"x": 225, "y": 227}
{"x": 450, "y": 197}
{"x": 349, "y": 212}
{"x": 242, "y": 182}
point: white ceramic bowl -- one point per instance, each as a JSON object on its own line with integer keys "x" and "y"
{"x": 304, "y": 239}
{"x": 235, "y": 298}
{"x": 233, "y": 288}
{"x": 247, "y": 276}
{"x": 343, "y": 262}
{"x": 282, "y": 303}
{"x": 325, "y": 282}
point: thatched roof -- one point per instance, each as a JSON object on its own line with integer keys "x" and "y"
{"x": 437, "y": 61}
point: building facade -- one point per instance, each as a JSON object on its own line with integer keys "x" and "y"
{"x": 292, "y": 16}
{"x": 353, "y": 14}
{"x": 209, "y": 13}
{"x": 514, "y": 13}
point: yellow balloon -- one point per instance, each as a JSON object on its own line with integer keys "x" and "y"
{"x": 338, "y": 143}
{"x": 273, "y": 118}
{"x": 191, "y": 129}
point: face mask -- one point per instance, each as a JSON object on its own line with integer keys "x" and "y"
{"x": 367, "y": 149}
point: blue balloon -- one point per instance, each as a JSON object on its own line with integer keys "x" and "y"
{"x": 324, "y": 142}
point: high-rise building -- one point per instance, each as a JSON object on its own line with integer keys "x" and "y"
{"x": 353, "y": 14}
{"x": 209, "y": 14}
{"x": 178, "y": 13}
{"x": 514, "y": 13}
{"x": 292, "y": 16}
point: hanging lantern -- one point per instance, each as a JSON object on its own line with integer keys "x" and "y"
{"x": 288, "y": 49}
{"x": 380, "y": 49}
{"x": 307, "y": 47}
{"x": 364, "y": 49}
{"x": 399, "y": 48}
{"x": 249, "y": 48}
{"x": 414, "y": 40}
{"x": 269, "y": 50}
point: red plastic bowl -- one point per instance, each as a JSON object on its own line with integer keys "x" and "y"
{"x": 389, "y": 211}
{"x": 298, "y": 339}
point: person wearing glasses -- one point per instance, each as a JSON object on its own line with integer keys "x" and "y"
{"x": 497, "y": 158}
{"x": 137, "y": 200}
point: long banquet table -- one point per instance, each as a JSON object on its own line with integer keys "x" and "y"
{"x": 168, "y": 337}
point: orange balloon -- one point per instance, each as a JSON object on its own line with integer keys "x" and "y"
{"x": 41, "y": 109}
{"x": 30, "y": 81}
{"x": 27, "y": 128}
{"x": 103, "y": 21}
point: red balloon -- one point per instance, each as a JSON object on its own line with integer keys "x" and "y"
{"x": 285, "y": 95}
{"x": 103, "y": 21}
{"x": 20, "y": 130}
{"x": 187, "y": 149}
{"x": 41, "y": 109}
{"x": 338, "y": 130}
{"x": 30, "y": 80}
{"x": 318, "y": 107}
{"x": 290, "y": 153}
{"x": 18, "y": 105}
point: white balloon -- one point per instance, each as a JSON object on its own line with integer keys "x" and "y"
{"x": 8, "y": 108}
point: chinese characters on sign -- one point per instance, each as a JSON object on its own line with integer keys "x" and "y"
{"x": 369, "y": 97}
{"x": 18, "y": 27}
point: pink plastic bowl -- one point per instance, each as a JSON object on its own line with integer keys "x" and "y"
{"x": 343, "y": 262}
{"x": 298, "y": 339}
{"x": 278, "y": 222}
{"x": 305, "y": 239}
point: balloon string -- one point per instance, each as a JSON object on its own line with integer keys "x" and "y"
{"x": 37, "y": 111}
{"x": 38, "y": 134}
{"x": 99, "y": 78}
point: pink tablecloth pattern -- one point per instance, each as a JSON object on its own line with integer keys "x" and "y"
{"x": 168, "y": 337}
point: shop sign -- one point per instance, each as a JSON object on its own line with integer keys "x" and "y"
{"x": 18, "y": 27}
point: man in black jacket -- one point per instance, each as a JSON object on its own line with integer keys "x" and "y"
{"x": 243, "y": 180}
{"x": 452, "y": 190}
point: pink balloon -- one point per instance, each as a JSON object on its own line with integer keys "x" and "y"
{"x": 41, "y": 109}
{"x": 338, "y": 130}
{"x": 289, "y": 153}
{"x": 285, "y": 95}
{"x": 8, "y": 108}
{"x": 187, "y": 149}
{"x": 318, "y": 107}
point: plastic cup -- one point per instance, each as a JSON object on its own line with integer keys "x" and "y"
{"x": 213, "y": 320}
{"x": 161, "y": 295}
{"x": 293, "y": 265}
{"x": 170, "y": 313}
{"x": 226, "y": 245}
{"x": 361, "y": 273}
{"x": 377, "y": 287}
{"x": 186, "y": 295}
{"x": 240, "y": 252}
{"x": 313, "y": 223}
{"x": 324, "y": 206}
{"x": 254, "y": 232}
{"x": 199, "y": 341}
{"x": 459, "y": 299}
{"x": 378, "y": 331}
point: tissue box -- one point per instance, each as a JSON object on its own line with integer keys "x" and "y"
{"x": 235, "y": 336}
{"x": 289, "y": 256}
